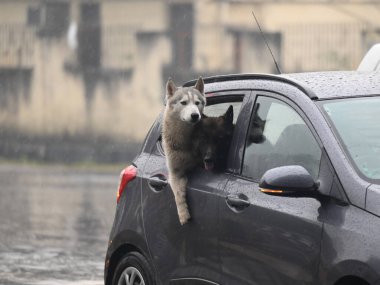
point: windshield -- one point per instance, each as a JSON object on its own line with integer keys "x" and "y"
{"x": 357, "y": 123}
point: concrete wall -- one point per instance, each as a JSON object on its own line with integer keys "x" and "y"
{"x": 123, "y": 99}
{"x": 122, "y": 106}
{"x": 15, "y": 12}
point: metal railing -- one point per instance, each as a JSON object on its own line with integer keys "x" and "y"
{"x": 310, "y": 47}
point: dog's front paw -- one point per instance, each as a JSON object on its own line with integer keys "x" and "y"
{"x": 184, "y": 217}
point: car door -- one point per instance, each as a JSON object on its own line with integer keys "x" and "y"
{"x": 185, "y": 254}
{"x": 269, "y": 239}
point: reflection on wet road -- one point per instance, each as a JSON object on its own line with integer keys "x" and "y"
{"x": 54, "y": 224}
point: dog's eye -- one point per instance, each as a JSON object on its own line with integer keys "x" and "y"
{"x": 183, "y": 102}
{"x": 197, "y": 103}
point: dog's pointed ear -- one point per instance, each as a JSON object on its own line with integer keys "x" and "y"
{"x": 200, "y": 85}
{"x": 170, "y": 88}
{"x": 229, "y": 115}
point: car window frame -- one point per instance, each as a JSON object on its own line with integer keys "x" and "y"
{"x": 245, "y": 95}
{"x": 242, "y": 122}
{"x": 284, "y": 99}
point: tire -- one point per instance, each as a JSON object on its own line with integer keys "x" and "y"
{"x": 133, "y": 265}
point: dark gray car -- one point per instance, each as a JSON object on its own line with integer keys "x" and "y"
{"x": 299, "y": 206}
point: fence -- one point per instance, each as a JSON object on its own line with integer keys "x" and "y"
{"x": 323, "y": 46}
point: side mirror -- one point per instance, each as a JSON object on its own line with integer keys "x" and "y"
{"x": 290, "y": 181}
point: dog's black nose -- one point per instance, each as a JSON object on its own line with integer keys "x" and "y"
{"x": 194, "y": 117}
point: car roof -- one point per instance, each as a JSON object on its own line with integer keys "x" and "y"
{"x": 316, "y": 85}
{"x": 334, "y": 84}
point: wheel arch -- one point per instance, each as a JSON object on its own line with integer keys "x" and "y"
{"x": 352, "y": 272}
{"x": 351, "y": 280}
{"x": 116, "y": 256}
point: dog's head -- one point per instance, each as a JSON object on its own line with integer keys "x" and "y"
{"x": 215, "y": 139}
{"x": 186, "y": 102}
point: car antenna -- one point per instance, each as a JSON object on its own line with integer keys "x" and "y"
{"x": 265, "y": 40}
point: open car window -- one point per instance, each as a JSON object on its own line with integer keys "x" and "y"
{"x": 219, "y": 109}
{"x": 217, "y": 105}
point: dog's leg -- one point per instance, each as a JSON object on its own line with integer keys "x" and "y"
{"x": 178, "y": 185}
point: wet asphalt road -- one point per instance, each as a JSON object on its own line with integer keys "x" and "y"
{"x": 54, "y": 224}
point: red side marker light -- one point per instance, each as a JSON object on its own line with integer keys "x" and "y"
{"x": 126, "y": 175}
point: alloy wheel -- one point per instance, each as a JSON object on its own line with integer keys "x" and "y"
{"x": 131, "y": 276}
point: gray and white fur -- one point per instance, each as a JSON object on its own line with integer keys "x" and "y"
{"x": 183, "y": 111}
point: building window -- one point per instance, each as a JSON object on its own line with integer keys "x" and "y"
{"x": 181, "y": 23}
{"x": 55, "y": 19}
{"x": 33, "y": 17}
{"x": 89, "y": 36}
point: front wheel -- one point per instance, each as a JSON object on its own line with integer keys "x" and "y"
{"x": 133, "y": 269}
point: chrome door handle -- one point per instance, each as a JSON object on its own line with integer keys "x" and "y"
{"x": 238, "y": 201}
{"x": 158, "y": 182}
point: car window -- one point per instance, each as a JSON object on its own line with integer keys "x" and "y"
{"x": 217, "y": 106}
{"x": 278, "y": 136}
{"x": 219, "y": 109}
{"x": 356, "y": 121}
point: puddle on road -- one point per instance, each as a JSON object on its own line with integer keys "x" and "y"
{"x": 54, "y": 225}
{"x": 54, "y": 282}
{"x": 50, "y": 282}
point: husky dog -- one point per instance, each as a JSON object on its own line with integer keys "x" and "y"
{"x": 183, "y": 112}
{"x": 214, "y": 137}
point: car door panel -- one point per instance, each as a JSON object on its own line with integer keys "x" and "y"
{"x": 268, "y": 239}
{"x": 180, "y": 251}
{"x": 274, "y": 240}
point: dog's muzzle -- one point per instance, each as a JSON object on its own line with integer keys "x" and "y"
{"x": 195, "y": 117}
{"x": 208, "y": 164}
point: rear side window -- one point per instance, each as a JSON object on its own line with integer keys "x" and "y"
{"x": 219, "y": 109}
{"x": 216, "y": 106}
